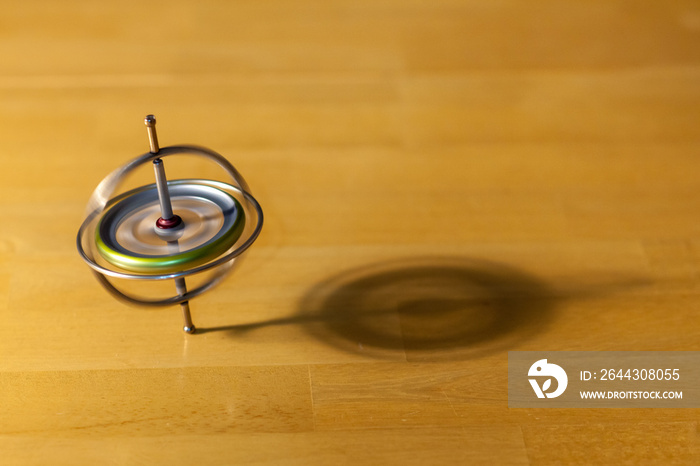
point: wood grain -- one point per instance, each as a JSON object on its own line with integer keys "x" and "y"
{"x": 442, "y": 182}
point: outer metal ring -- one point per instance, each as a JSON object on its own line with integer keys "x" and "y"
{"x": 141, "y": 200}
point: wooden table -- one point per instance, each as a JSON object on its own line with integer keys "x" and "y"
{"x": 443, "y": 182}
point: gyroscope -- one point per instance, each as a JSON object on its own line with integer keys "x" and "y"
{"x": 168, "y": 230}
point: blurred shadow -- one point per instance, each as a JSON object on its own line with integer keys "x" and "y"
{"x": 428, "y": 306}
{"x": 433, "y": 303}
{"x": 431, "y": 308}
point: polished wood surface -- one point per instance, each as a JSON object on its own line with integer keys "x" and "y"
{"x": 443, "y": 182}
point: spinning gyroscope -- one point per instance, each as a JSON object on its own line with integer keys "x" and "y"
{"x": 168, "y": 230}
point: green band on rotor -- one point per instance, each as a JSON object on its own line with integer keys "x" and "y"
{"x": 174, "y": 262}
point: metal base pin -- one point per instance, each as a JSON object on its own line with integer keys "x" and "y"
{"x": 185, "y": 307}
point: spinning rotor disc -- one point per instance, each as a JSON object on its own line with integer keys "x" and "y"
{"x": 127, "y": 235}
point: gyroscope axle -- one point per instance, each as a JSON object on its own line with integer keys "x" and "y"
{"x": 169, "y": 226}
